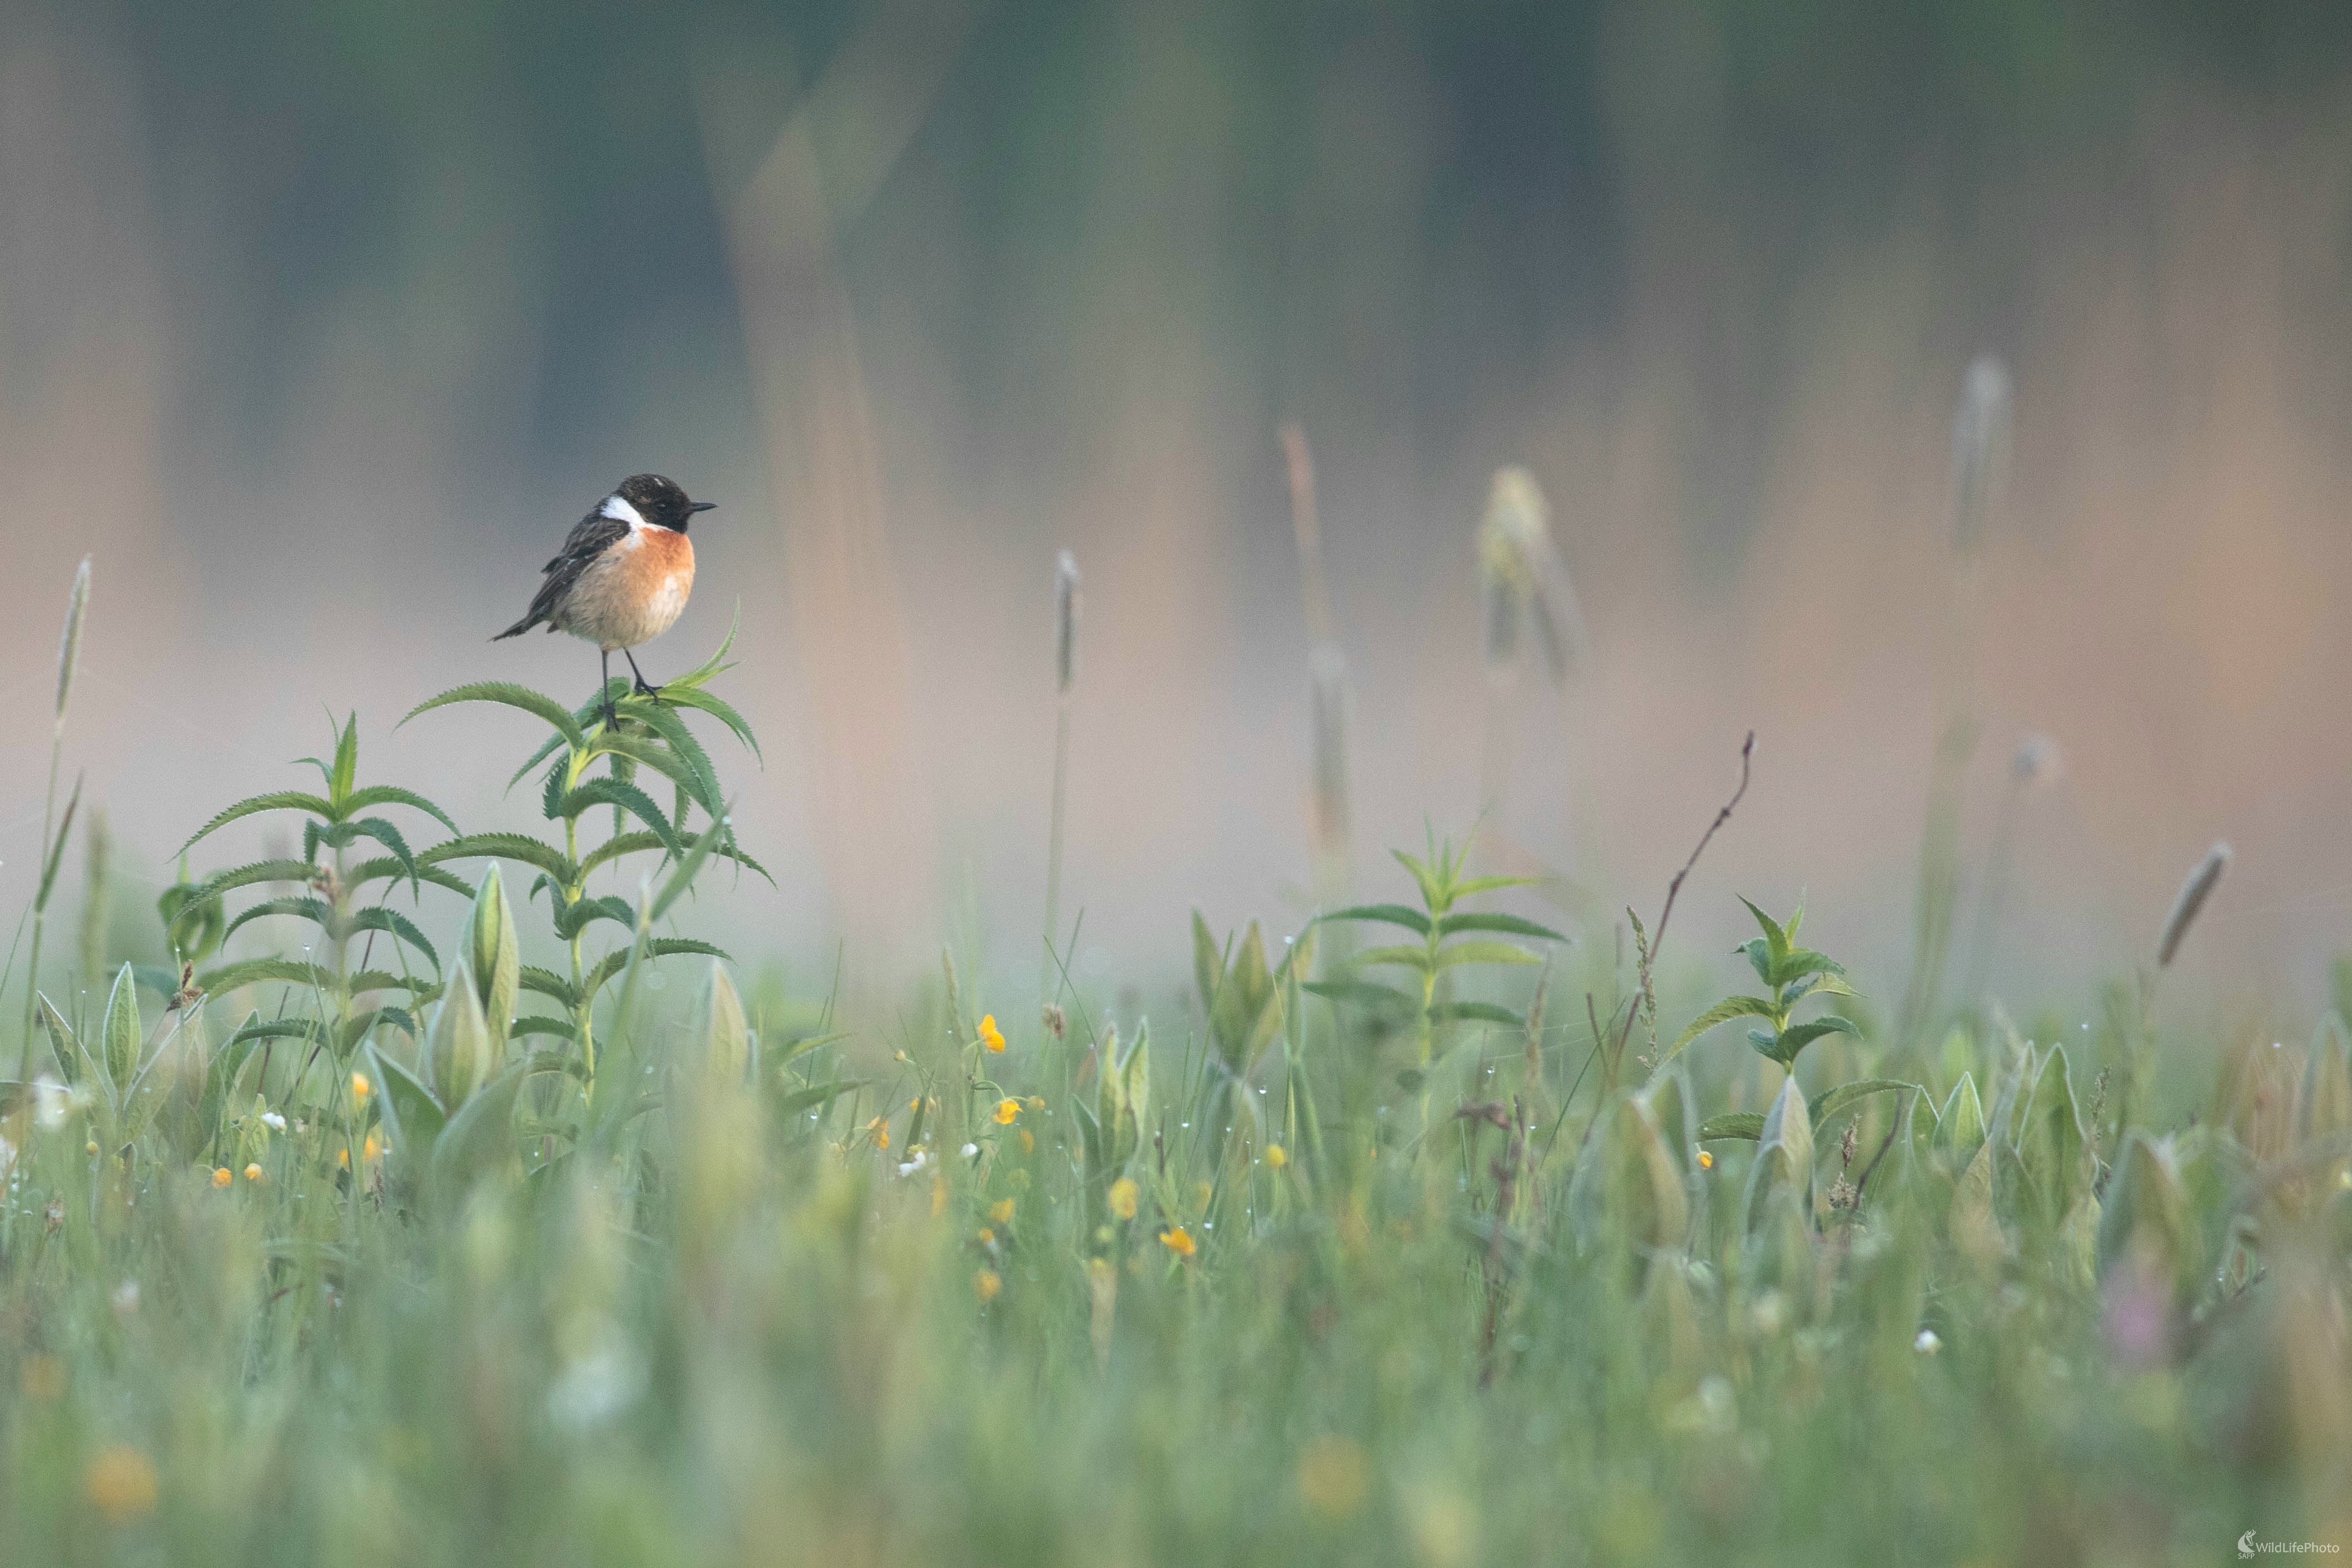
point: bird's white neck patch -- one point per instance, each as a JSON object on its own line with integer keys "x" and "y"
{"x": 618, "y": 508}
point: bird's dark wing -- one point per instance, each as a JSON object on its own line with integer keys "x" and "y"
{"x": 590, "y": 537}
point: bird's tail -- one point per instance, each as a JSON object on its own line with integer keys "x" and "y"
{"x": 520, "y": 627}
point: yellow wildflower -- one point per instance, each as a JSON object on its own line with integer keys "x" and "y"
{"x": 1006, "y": 1110}
{"x": 1001, "y": 1211}
{"x": 121, "y": 1482}
{"x": 1122, "y": 1197}
{"x": 1275, "y": 1156}
{"x": 222, "y": 1177}
{"x": 1028, "y": 1142}
{"x": 1179, "y": 1241}
{"x": 1037, "y": 1102}
{"x": 372, "y": 1147}
{"x": 880, "y": 1128}
{"x": 1705, "y": 1161}
{"x": 987, "y": 1237}
{"x": 253, "y": 1173}
{"x": 1334, "y": 1477}
{"x": 989, "y": 1035}
{"x": 358, "y": 1086}
{"x": 986, "y": 1284}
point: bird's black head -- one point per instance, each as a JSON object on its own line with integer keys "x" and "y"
{"x": 660, "y": 500}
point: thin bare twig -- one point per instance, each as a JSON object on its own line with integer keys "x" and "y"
{"x": 1645, "y": 992}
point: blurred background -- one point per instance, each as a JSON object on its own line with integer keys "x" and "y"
{"x": 320, "y": 324}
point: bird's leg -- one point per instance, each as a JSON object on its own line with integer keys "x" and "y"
{"x": 645, "y": 687}
{"x": 604, "y": 689}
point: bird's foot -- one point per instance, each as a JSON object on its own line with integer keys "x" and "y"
{"x": 644, "y": 689}
{"x": 612, "y": 715}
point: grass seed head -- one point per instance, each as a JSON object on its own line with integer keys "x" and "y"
{"x": 2190, "y": 899}
{"x": 70, "y": 645}
{"x": 1066, "y": 622}
{"x": 1980, "y": 446}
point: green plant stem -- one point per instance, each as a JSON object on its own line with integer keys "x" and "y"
{"x": 572, "y": 894}
{"x": 1054, "y": 848}
{"x": 41, "y": 904}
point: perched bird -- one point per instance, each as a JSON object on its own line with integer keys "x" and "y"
{"x": 623, "y": 576}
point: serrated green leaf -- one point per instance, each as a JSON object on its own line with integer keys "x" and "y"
{"x": 284, "y": 800}
{"x": 262, "y": 971}
{"x": 576, "y": 917}
{"x": 1476, "y": 1012}
{"x": 379, "y": 829}
{"x": 1489, "y": 885}
{"x": 385, "y": 919}
{"x": 689, "y": 750}
{"x": 1801, "y": 961}
{"x": 1508, "y": 925}
{"x": 1776, "y": 940}
{"x": 1402, "y": 957}
{"x": 384, "y": 868}
{"x": 652, "y": 755}
{"x": 1422, "y": 875}
{"x": 692, "y": 696}
{"x": 711, "y": 667}
{"x": 613, "y": 962}
{"x": 1797, "y": 1037}
{"x": 305, "y": 907}
{"x": 1723, "y": 1011}
{"x": 628, "y": 797}
{"x": 538, "y": 704}
{"x": 547, "y": 982}
{"x": 393, "y": 794}
{"x": 1403, "y": 915}
{"x": 1456, "y": 954}
{"x": 688, "y": 867}
{"x": 245, "y": 876}
{"x": 624, "y": 844}
{"x": 516, "y": 847}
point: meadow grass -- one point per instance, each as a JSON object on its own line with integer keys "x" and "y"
{"x": 410, "y": 1251}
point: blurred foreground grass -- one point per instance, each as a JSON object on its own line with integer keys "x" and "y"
{"x": 336, "y": 1262}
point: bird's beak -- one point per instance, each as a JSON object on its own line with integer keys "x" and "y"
{"x": 700, "y": 505}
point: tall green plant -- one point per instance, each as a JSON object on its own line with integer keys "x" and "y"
{"x": 53, "y": 842}
{"x": 645, "y": 734}
{"x": 1442, "y": 948}
{"x": 334, "y": 897}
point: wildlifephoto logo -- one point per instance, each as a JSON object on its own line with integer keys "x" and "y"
{"x": 2249, "y": 1547}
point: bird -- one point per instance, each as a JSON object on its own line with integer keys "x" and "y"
{"x": 623, "y": 575}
